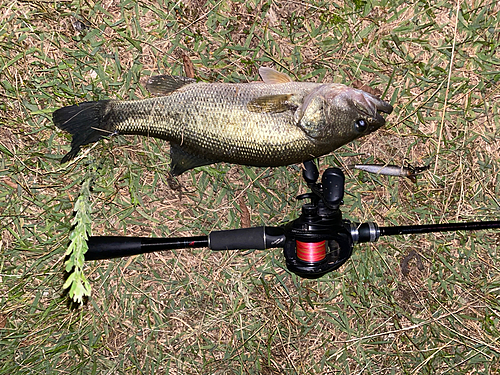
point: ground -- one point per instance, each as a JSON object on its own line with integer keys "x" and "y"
{"x": 198, "y": 311}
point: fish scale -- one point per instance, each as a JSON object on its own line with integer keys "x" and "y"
{"x": 276, "y": 122}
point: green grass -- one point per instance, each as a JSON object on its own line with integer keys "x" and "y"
{"x": 203, "y": 312}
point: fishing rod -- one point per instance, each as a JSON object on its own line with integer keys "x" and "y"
{"x": 317, "y": 242}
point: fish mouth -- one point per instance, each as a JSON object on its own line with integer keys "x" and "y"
{"x": 383, "y": 106}
{"x": 379, "y": 120}
{"x": 372, "y": 107}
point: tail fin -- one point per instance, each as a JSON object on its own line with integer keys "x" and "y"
{"x": 87, "y": 122}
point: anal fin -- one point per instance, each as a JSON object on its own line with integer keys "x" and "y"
{"x": 182, "y": 161}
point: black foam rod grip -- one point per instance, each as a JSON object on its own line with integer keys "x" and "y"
{"x": 259, "y": 238}
{"x": 107, "y": 247}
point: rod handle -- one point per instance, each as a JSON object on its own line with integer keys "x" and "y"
{"x": 108, "y": 247}
{"x": 258, "y": 238}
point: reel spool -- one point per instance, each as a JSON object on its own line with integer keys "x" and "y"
{"x": 306, "y": 263}
{"x": 310, "y": 252}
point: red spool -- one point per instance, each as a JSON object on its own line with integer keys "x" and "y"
{"x": 311, "y": 252}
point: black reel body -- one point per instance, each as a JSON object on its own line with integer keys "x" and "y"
{"x": 319, "y": 241}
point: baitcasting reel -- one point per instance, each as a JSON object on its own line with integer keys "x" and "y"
{"x": 319, "y": 241}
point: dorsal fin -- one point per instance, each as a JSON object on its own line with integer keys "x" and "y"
{"x": 163, "y": 84}
{"x": 272, "y": 76}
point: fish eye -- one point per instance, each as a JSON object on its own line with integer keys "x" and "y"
{"x": 360, "y": 125}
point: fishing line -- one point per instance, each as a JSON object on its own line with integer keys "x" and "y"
{"x": 311, "y": 252}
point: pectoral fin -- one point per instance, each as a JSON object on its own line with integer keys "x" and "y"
{"x": 163, "y": 85}
{"x": 271, "y": 103}
{"x": 181, "y": 160}
{"x": 272, "y": 76}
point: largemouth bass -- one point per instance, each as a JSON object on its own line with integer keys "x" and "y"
{"x": 271, "y": 123}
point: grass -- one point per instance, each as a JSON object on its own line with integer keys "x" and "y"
{"x": 197, "y": 311}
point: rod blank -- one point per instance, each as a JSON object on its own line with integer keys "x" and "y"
{"x": 430, "y": 228}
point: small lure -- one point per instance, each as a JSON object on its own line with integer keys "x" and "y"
{"x": 391, "y": 170}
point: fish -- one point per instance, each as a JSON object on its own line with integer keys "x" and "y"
{"x": 268, "y": 123}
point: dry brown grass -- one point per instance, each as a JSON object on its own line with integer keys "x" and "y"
{"x": 207, "y": 312}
